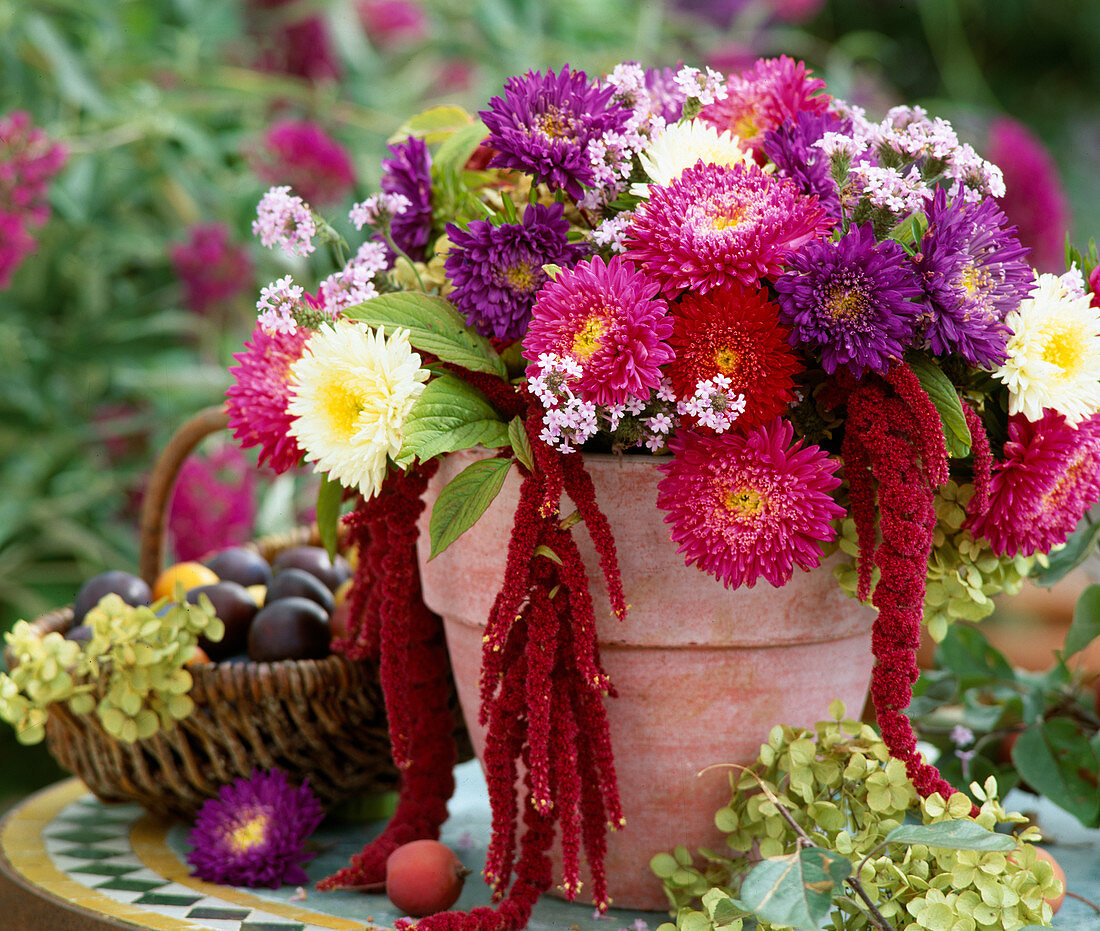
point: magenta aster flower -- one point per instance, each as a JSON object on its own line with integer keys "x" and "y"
{"x": 392, "y": 22}
{"x": 975, "y": 275}
{"x": 1034, "y": 200}
{"x": 853, "y": 300}
{"x": 301, "y": 155}
{"x": 768, "y": 94}
{"x": 211, "y": 269}
{"x": 743, "y": 506}
{"x": 257, "y": 399}
{"x": 543, "y": 125}
{"x": 610, "y": 321}
{"x": 716, "y": 224}
{"x": 497, "y": 270}
{"x": 290, "y": 43}
{"x": 408, "y": 172}
{"x": 213, "y": 504}
{"x": 1048, "y": 479}
{"x": 254, "y": 833}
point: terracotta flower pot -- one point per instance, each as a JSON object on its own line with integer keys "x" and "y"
{"x": 703, "y": 672}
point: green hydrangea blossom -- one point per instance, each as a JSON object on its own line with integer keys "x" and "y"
{"x": 136, "y": 657}
{"x": 842, "y": 787}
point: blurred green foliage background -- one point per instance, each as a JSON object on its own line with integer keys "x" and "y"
{"x": 160, "y": 102}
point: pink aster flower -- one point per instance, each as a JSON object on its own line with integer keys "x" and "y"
{"x": 257, "y": 400}
{"x": 1048, "y": 479}
{"x": 213, "y": 504}
{"x": 211, "y": 268}
{"x": 763, "y": 97}
{"x": 716, "y": 224}
{"x": 300, "y": 154}
{"x": 392, "y": 22}
{"x": 743, "y": 506}
{"x": 608, "y": 318}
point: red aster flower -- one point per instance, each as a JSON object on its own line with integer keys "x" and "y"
{"x": 735, "y": 332}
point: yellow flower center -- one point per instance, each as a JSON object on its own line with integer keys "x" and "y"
{"x": 745, "y": 502}
{"x": 555, "y": 124}
{"x": 725, "y": 219}
{"x": 589, "y": 338}
{"x": 341, "y": 408}
{"x": 1063, "y": 347}
{"x": 746, "y": 127}
{"x": 248, "y": 835}
{"x": 727, "y": 358}
{"x": 520, "y": 277}
{"x": 844, "y": 303}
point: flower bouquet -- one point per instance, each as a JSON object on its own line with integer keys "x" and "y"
{"x": 819, "y": 332}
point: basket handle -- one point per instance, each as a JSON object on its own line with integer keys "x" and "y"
{"x": 162, "y": 480}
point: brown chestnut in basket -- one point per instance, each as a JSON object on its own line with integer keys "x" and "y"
{"x": 290, "y": 628}
{"x": 235, "y": 607}
{"x": 315, "y": 561}
{"x": 129, "y": 587}
{"x": 299, "y": 583}
{"x": 240, "y": 564}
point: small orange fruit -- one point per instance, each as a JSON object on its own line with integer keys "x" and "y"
{"x": 190, "y": 574}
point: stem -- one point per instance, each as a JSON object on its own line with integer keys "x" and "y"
{"x": 875, "y": 915}
{"x": 1088, "y": 902}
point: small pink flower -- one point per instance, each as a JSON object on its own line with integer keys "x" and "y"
{"x": 751, "y": 505}
{"x": 392, "y": 22}
{"x": 212, "y": 269}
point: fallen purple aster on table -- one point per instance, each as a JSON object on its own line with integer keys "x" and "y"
{"x": 254, "y": 832}
{"x": 497, "y": 270}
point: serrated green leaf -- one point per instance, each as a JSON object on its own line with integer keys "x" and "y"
{"x": 433, "y": 125}
{"x": 329, "y": 496}
{"x": 464, "y": 500}
{"x": 449, "y": 415}
{"x": 795, "y": 890}
{"x": 943, "y": 395}
{"x": 434, "y": 326}
{"x": 1059, "y": 762}
{"x": 952, "y": 835}
{"x": 520, "y": 443}
{"x": 1086, "y": 621}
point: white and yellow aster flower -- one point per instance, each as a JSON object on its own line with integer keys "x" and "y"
{"x": 681, "y": 145}
{"x": 351, "y": 391}
{"x": 1054, "y": 354}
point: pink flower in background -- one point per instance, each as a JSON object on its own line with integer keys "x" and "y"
{"x": 796, "y": 11}
{"x": 28, "y": 162}
{"x": 1034, "y": 200}
{"x": 454, "y": 76}
{"x": 301, "y": 154}
{"x": 391, "y": 22}
{"x": 1094, "y": 286}
{"x": 214, "y": 503}
{"x": 212, "y": 269}
{"x": 300, "y": 47}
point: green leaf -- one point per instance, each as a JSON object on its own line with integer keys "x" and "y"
{"x": 457, "y": 148}
{"x": 795, "y": 890}
{"x": 1086, "y": 621}
{"x": 952, "y": 835}
{"x": 1077, "y": 549}
{"x": 1057, "y": 760}
{"x": 969, "y": 655}
{"x": 433, "y": 125}
{"x": 520, "y": 443}
{"x": 329, "y": 496}
{"x": 449, "y": 415}
{"x": 956, "y": 433}
{"x": 464, "y": 500}
{"x": 434, "y": 326}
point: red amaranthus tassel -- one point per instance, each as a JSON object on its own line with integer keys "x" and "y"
{"x": 542, "y": 692}
{"x": 894, "y": 447}
{"x": 389, "y": 621}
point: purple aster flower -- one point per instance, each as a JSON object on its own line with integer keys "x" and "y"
{"x": 975, "y": 275}
{"x": 254, "y": 832}
{"x": 716, "y": 224}
{"x": 497, "y": 270}
{"x": 853, "y": 299}
{"x": 408, "y": 172}
{"x": 543, "y": 126}
{"x": 791, "y": 147}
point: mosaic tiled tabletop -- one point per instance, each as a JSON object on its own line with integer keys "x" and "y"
{"x": 119, "y": 863}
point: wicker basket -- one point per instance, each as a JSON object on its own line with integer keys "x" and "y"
{"x": 323, "y": 719}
